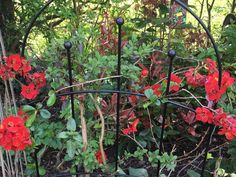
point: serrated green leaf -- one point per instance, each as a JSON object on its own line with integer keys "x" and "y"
{"x": 71, "y": 124}
{"x": 44, "y": 113}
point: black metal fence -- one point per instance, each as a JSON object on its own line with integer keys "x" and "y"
{"x": 71, "y": 93}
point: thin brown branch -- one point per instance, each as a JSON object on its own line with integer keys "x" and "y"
{"x": 101, "y": 138}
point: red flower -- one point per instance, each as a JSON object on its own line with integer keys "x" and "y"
{"x": 132, "y": 128}
{"x": 227, "y": 81}
{"x": 29, "y": 92}
{"x": 213, "y": 91}
{"x": 156, "y": 89}
{"x": 228, "y": 129}
{"x": 26, "y": 68}
{"x": 39, "y": 79}
{"x": 204, "y": 115}
{"x": 212, "y": 88}
{"x": 175, "y": 83}
{"x": 14, "y": 61}
{"x": 6, "y": 72}
{"x": 211, "y": 65}
{"x": 13, "y": 134}
{"x": 219, "y": 117}
{"x": 133, "y": 100}
{"x": 194, "y": 79}
{"x": 12, "y": 123}
{"x": 144, "y": 73}
{"x": 22, "y": 115}
{"x": 98, "y": 156}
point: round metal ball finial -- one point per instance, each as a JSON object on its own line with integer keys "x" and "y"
{"x": 68, "y": 45}
{"x": 119, "y": 21}
{"x": 171, "y": 53}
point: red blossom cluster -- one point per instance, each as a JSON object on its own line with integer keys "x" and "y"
{"x": 13, "y": 134}
{"x": 219, "y": 118}
{"x": 194, "y": 78}
{"x": 156, "y": 89}
{"x": 211, "y": 81}
{"x": 175, "y": 83}
{"x": 17, "y": 65}
{"x": 132, "y": 127}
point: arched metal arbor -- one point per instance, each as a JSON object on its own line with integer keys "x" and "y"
{"x": 171, "y": 54}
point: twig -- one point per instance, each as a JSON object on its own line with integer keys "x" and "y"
{"x": 83, "y": 125}
{"x": 198, "y": 145}
{"x": 87, "y": 82}
{"x": 102, "y": 129}
{"x": 135, "y": 142}
{"x": 151, "y": 128}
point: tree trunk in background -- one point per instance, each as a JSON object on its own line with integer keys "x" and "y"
{"x": 233, "y": 6}
{"x": 10, "y": 32}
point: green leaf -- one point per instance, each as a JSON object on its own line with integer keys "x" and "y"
{"x": 28, "y": 108}
{"x": 51, "y": 100}
{"x": 42, "y": 171}
{"x": 139, "y": 172}
{"x": 78, "y": 138}
{"x": 145, "y": 105}
{"x": 31, "y": 119}
{"x": 70, "y": 149}
{"x": 209, "y": 156}
{"x": 192, "y": 173}
{"x": 120, "y": 171}
{"x": 158, "y": 102}
{"x": 44, "y": 113}
{"x": 148, "y": 93}
{"x": 39, "y": 105}
{"x": 62, "y": 135}
{"x": 71, "y": 125}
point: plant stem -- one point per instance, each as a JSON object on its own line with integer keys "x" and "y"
{"x": 102, "y": 129}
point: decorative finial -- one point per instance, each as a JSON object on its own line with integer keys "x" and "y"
{"x": 68, "y": 45}
{"x": 171, "y": 53}
{"x": 120, "y": 21}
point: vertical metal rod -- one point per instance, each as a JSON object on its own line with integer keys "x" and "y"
{"x": 36, "y": 162}
{"x": 208, "y": 140}
{"x": 171, "y": 55}
{"x": 119, "y": 22}
{"x": 68, "y": 46}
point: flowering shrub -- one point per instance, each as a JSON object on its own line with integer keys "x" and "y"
{"x": 17, "y": 65}
{"x": 13, "y": 134}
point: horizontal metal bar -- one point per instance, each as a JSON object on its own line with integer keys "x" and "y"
{"x": 122, "y": 92}
{"x": 180, "y": 105}
{"x": 101, "y": 91}
{"x": 92, "y": 174}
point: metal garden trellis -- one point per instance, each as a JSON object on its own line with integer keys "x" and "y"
{"x": 118, "y": 90}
